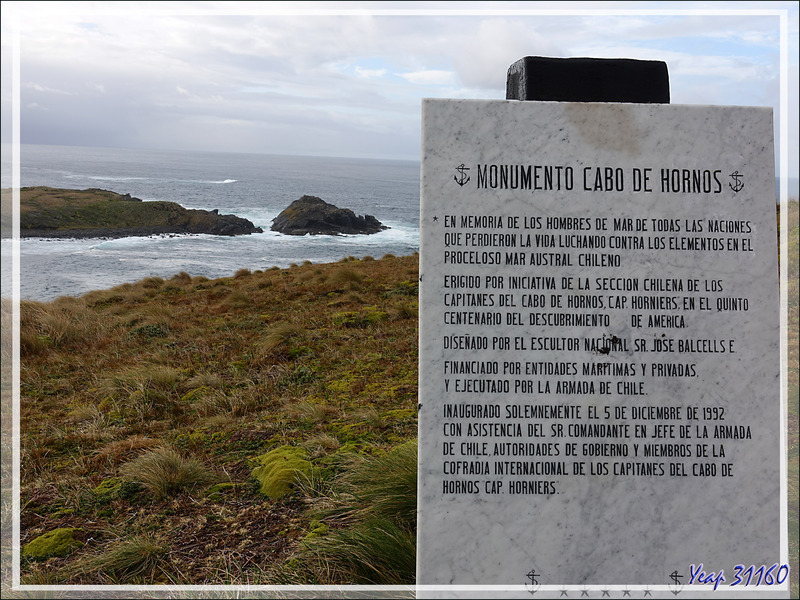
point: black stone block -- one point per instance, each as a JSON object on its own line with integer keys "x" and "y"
{"x": 588, "y": 80}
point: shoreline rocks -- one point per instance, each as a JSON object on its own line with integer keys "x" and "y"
{"x": 312, "y": 215}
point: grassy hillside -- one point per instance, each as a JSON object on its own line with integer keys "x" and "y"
{"x": 196, "y": 380}
{"x": 148, "y": 408}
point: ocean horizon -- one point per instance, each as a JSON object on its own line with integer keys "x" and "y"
{"x": 253, "y": 186}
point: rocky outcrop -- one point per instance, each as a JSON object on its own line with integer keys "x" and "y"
{"x": 210, "y": 221}
{"x": 95, "y": 213}
{"x": 312, "y": 215}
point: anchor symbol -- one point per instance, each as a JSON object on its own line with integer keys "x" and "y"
{"x": 676, "y": 587}
{"x": 534, "y": 585}
{"x": 737, "y": 185}
{"x": 462, "y": 177}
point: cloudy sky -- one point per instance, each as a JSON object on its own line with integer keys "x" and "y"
{"x": 346, "y": 78}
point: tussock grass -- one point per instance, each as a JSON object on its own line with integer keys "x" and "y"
{"x": 371, "y": 416}
{"x": 381, "y": 485}
{"x": 58, "y": 325}
{"x": 278, "y": 340}
{"x": 237, "y": 403}
{"x": 237, "y": 299}
{"x": 346, "y": 276}
{"x": 123, "y": 450}
{"x": 209, "y": 380}
{"x": 321, "y": 444}
{"x": 151, "y": 283}
{"x": 374, "y": 502}
{"x": 140, "y": 558}
{"x": 374, "y": 552}
{"x": 152, "y": 313}
{"x": 159, "y": 377}
{"x": 182, "y": 278}
{"x": 84, "y": 412}
{"x": 164, "y": 472}
{"x": 312, "y": 413}
{"x": 143, "y": 392}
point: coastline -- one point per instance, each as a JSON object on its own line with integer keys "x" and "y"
{"x": 47, "y": 212}
{"x": 105, "y": 233}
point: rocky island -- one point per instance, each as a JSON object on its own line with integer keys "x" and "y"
{"x": 95, "y": 213}
{"x": 312, "y": 215}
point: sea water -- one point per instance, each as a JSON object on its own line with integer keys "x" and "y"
{"x": 254, "y": 186}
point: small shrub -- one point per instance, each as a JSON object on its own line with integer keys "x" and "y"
{"x": 164, "y": 472}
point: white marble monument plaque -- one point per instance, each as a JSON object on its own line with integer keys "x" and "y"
{"x": 599, "y": 349}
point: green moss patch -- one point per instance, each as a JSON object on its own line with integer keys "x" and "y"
{"x": 59, "y": 542}
{"x": 281, "y": 468}
{"x": 108, "y": 489}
